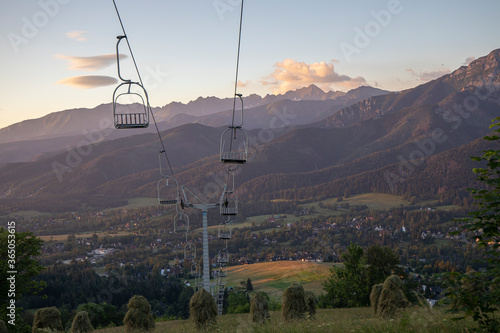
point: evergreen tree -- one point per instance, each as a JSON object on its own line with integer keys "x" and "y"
{"x": 478, "y": 293}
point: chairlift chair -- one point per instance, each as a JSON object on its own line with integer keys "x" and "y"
{"x": 195, "y": 269}
{"x": 168, "y": 191}
{"x": 225, "y": 230}
{"x": 234, "y": 142}
{"x": 129, "y": 92}
{"x": 181, "y": 223}
{"x": 228, "y": 203}
{"x": 223, "y": 257}
{"x": 189, "y": 251}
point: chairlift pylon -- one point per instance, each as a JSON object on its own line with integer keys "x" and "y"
{"x": 125, "y": 116}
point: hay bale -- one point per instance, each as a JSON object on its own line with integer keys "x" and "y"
{"x": 392, "y": 299}
{"x": 203, "y": 310}
{"x": 293, "y": 303}
{"x": 47, "y": 318}
{"x": 310, "y": 304}
{"x": 81, "y": 323}
{"x": 3, "y": 327}
{"x": 138, "y": 317}
{"x": 375, "y": 295}
{"x": 259, "y": 309}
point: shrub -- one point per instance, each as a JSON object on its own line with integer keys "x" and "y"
{"x": 293, "y": 303}
{"x": 139, "y": 317}
{"x": 47, "y": 318}
{"x": 203, "y": 309}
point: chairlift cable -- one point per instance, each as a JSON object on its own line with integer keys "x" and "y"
{"x": 140, "y": 80}
{"x": 237, "y": 64}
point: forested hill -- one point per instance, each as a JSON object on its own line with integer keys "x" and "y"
{"x": 414, "y": 143}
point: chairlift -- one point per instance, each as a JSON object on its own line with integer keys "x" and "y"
{"x": 228, "y": 203}
{"x": 234, "y": 142}
{"x": 168, "y": 191}
{"x": 225, "y": 230}
{"x": 189, "y": 251}
{"x": 223, "y": 257}
{"x": 221, "y": 272}
{"x": 181, "y": 223}
{"x": 126, "y": 115}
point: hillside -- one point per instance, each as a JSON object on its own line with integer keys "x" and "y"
{"x": 413, "y": 143}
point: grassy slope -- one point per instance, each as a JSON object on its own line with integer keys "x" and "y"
{"x": 327, "y": 320}
{"x": 275, "y": 277}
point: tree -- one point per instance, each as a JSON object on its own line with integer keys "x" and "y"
{"x": 351, "y": 285}
{"x": 382, "y": 262}
{"x": 18, "y": 254}
{"x": 347, "y": 286}
{"x": 477, "y": 294}
{"x": 249, "y": 285}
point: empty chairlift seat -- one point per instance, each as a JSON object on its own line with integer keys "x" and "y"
{"x": 224, "y": 230}
{"x": 181, "y": 223}
{"x": 130, "y": 106}
{"x": 168, "y": 191}
{"x": 234, "y": 146}
{"x": 223, "y": 257}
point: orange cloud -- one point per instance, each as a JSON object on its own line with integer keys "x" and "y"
{"x": 291, "y": 75}
{"x": 88, "y": 82}
{"x": 90, "y": 64}
{"x": 77, "y": 35}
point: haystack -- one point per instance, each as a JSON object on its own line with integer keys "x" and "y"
{"x": 47, "y": 318}
{"x": 259, "y": 309}
{"x": 81, "y": 323}
{"x": 375, "y": 295}
{"x": 392, "y": 299}
{"x": 310, "y": 304}
{"x": 3, "y": 327}
{"x": 203, "y": 309}
{"x": 139, "y": 317}
{"x": 293, "y": 303}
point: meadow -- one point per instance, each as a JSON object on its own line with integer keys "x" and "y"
{"x": 361, "y": 320}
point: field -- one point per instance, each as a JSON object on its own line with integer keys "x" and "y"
{"x": 138, "y": 202}
{"x": 274, "y": 277}
{"x": 327, "y": 320}
{"x": 63, "y": 238}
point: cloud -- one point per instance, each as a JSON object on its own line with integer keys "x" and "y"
{"x": 426, "y": 76}
{"x": 90, "y": 64}
{"x": 242, "y": 84}
{"x": 77, "y": 35}
{"x": 468, "y": 60}
{"x": 291, "y": 75}
{"x": 88, "y": 81}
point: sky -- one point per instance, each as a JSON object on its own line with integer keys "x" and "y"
{"x": 60, "y": 54}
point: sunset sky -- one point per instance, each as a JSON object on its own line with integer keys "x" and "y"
{"x": 60, "y": 54}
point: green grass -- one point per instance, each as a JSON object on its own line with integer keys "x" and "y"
{"x": 274, "y": 277}
{"x": 327, "y": 320}
{"x": 138, "y": 202}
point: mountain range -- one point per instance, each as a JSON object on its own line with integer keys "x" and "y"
{"x": 306, "y": 144}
